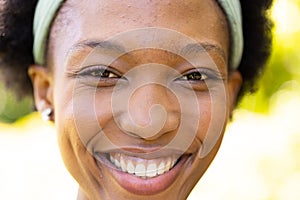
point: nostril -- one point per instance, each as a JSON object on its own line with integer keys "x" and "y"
{"x": 161, "y": 122}
{"x": 131, "y": 124}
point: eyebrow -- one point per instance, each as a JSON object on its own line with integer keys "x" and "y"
{"x": 99, "y": 44}
{"x": 197, "y": 47}
{"x": 200, "y": 47}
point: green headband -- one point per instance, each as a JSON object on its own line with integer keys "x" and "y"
{"x": 46, "y": 11}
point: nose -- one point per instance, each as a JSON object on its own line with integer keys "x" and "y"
{"x": 153, "y": 110}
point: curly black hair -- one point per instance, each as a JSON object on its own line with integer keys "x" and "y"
{"x": 16, "y": 41}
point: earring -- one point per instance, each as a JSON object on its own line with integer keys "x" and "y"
{"x": 46, "y": 114}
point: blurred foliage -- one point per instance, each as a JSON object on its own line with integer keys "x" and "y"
{"x": 12, "y": 108}
{"x": 283, "y": 69}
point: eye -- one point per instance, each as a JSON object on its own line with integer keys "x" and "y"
{"x": 98, "y": 76}
{"x": 198, "y": 75}
{"x": 99, "y": 71}
{"x": 195, "y": 76}
{"x": 199, "y": 79}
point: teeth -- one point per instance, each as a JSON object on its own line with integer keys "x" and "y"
{"x": 112, "y": 159}
{"x": 141, "y": 167}
{"x": 117, "y": 163}
{"x": 130, "y": 167}
{"x": 173, "y": 162}
{"x": 123, "y": 164}
{"x": 168, "y": 164}
{"x": 140, "y": 170}
{"x": 161, "y": 168}
{"x": 151, "y": 170}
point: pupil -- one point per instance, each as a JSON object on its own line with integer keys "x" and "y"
{"x": 195, "y": 76}
{"x": 100, "y": 73}
{"x": 104, "y": 73}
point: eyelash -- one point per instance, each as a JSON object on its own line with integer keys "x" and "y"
{"x": 199, "y": 75}
{"x": 105, "y": 73}
{"x": 100, "y": 72}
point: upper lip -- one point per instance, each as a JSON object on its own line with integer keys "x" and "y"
{"x": 135, "y": 147}
{"x": 147, "y": 154}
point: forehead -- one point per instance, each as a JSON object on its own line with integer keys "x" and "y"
{"x": 79, "y": 20}
{"x": 132, "y": 13}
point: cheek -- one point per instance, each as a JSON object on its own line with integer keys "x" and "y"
{"x": 89, "y": 110}
{"x": 69, "y": 116}
{"x": 205, "y": 114}
{"x": 79, "y": 115}
{"x": 213, "y": 120}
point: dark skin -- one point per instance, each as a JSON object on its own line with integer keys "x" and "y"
{"x": 136, "y": 137}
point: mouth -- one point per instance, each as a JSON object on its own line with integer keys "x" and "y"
{"x": 143, "y": 176}
{"x": 142, "y": 168}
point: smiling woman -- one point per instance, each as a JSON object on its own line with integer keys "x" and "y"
{"x": 140, "y": 92}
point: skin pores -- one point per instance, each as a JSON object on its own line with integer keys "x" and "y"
{"x": 141, "y": 93}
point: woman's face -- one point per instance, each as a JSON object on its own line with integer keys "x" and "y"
{"x": 141, "y": 94}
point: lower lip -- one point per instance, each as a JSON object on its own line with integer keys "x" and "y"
{"x": 148, "y": 186}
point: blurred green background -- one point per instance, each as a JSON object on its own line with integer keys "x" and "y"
{"x": 283, "y": 70}
{"x": 258, "y": 160}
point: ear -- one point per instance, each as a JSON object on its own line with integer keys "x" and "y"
{"x": 42, "y": 88}
{"x": 235, "y": 81}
